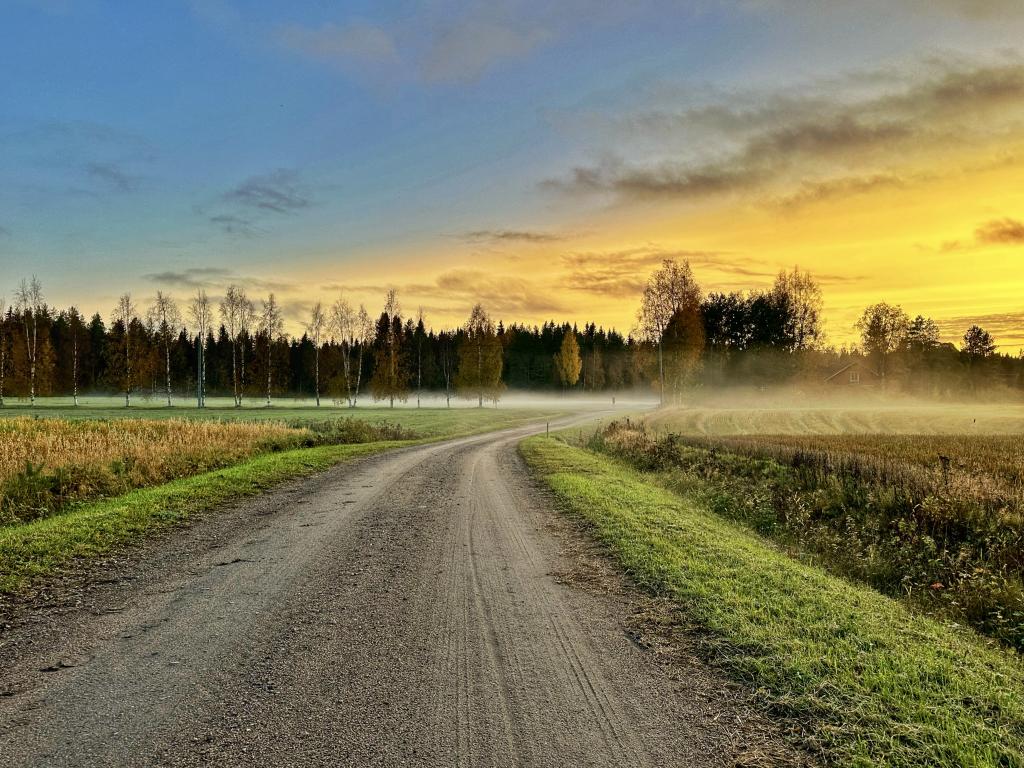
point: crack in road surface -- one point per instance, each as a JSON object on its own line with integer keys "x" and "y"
{"x": 399, "y": 610}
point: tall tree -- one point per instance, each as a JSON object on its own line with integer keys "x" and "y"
{"x": 801, "y": 295}
{"x": 315, "y": 327}
{"x": 272, "y": 328}
{"x": 390, "y": 381}
{"x": 922, "y": 334}
{"x": 166, "y": 319}
{"x": 201, "y": 314}
{"x": 448, "y": 361}
{"x": 246, "y": 321}
{"x": 684, "y": 348}
{"x": 3, "y": 347}
{"x": 978, "y": 343}
{"x": 669, "y": 290}
{"x": 883, "y": 328}
{"x": 76, "y": 329}
{"x": 480, "y": 358}
{"x": 124, "y": 315}
{"x": 568, "y": 362}
{"x": 231, "y": 317}
{"x": 419, "y": 338}
{"x": 30, "y": 308}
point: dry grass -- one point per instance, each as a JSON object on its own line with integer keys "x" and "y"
{"x": 935, "y": 519}
{"x": 44, "y": 463}
{"x": 838, "y": 418}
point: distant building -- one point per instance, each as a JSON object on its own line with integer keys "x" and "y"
{"x": 855, "y": 374}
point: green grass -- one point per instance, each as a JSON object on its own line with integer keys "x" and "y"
{"x": 868, "y": 682}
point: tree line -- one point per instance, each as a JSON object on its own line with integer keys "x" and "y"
{"x": 236, "y": 346}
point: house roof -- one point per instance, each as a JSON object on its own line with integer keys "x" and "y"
{"x": 848, "y": 366}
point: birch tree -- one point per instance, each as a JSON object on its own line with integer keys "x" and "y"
{"x": 669, "y": 290}
{"x": 390, "y": 379}
{"x": 448, "y": 362}
{"x": 29, "y": 306}
{"x": 315, "y": 328}
{"x": 124, "y": 314}
{"x": 201, "y": 315}
{"x": 166, "y": 319}
{"x": 230, "y": 316}
{"x": 76, "y": 326}
{"x": 3, "y": 347}
{"x": 272, "y": 328}
{"x": 246, "y": 321}
{"x": 568, "y": 363}
{"x": 420, "y": 335}
{"x": 343, "y": 323}
{"x": 480, "y": 358}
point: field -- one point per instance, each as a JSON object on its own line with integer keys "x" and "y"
{"x": 77, "y": 482}
{"x": 830, "y": 418}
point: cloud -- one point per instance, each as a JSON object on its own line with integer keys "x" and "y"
{"x": 467, "y": 49}
{"x": 5, "y": 232}
{"x": 357, "y": 42}
{"x": 624, "y": 273}
{"x": 1002, "y": 325}
{"x": 509, "y": 236}
{"x": 976, "y": 9}
{"x": 277, "y": 192}
{"x": 1001, "y": 232}
{"x": 459, "y": 289}
{"x": 112, "y": 176}
{"x": 810, "y": 192}
{"x": 214, "y": 278}
{"x": 234, "y": 225}
{"x": 837, "y": 138}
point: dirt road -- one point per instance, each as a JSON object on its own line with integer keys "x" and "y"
{"x": 402, "y": 610}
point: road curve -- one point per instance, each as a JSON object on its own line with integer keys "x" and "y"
{"x": 399, "y": 610}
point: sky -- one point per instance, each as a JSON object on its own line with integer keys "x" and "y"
{"x": 541, "y": 158}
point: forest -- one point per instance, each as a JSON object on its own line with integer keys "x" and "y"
{"x": 685, "y": 339}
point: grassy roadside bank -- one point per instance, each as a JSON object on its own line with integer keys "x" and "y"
{"x": 37, "y": 549}
{"x": 867, "y": 682}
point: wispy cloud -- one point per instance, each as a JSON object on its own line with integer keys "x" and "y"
{"x": 456, "y": 291}
{"x": 353, "y": 43}
{"x": 112, "y": 176}
{"x": 234, "y": 225}
{"x": 246, "y": 209}
{"x": 278, "y": 191}
{"x": 509, "y": 236}
{"x": 624, "y": 273}
{"x": 1001, "y": 232}
{"x": 214, "y": 278}
{"x": 845, "y": 139}
{"x": 809, "y": 192}
{"x": 466, "y": 50}
{"x": 1004, "y": 326}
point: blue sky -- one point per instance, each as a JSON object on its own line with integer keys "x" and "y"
{"x": 310, "y": 147}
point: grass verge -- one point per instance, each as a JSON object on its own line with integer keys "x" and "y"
{"x": 33, "y": 550}
{"x": 866, "y": 681}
